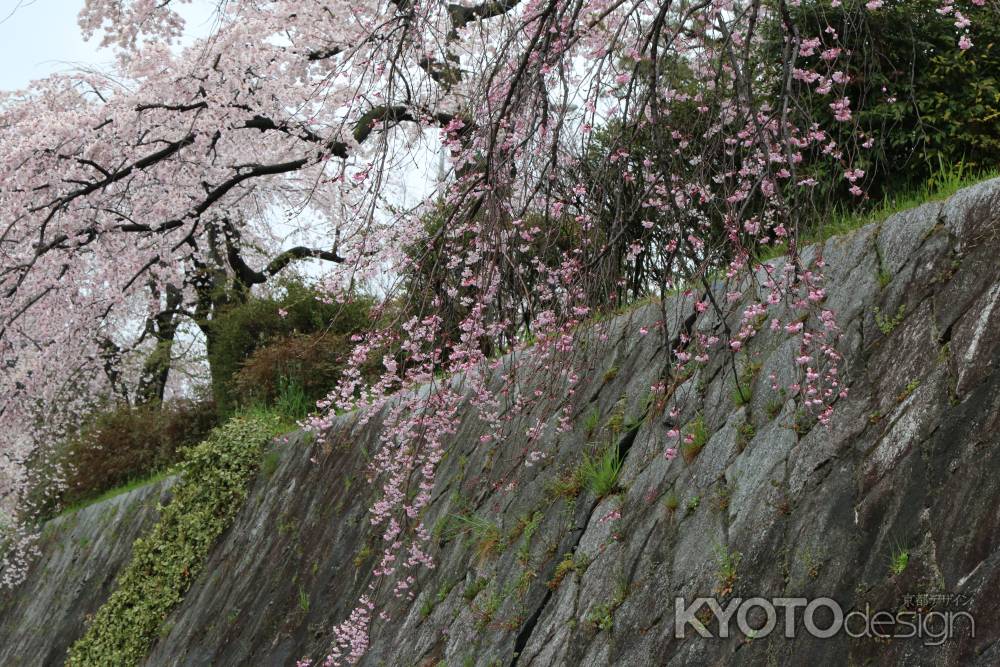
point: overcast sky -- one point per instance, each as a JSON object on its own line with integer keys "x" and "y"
{"x": 39, "y": 37}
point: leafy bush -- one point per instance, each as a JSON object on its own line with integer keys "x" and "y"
{"x": 118, "y": 446}
{"x": 923, "y": 101}
{"x": 212, "y": 487}
{"x": 292, "y": 372}
{"x": 297, "y": 336}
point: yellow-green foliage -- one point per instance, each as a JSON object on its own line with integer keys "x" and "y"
{"x": 212, "y": 487}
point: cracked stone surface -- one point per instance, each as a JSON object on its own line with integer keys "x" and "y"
{"x": 910, "y": 461}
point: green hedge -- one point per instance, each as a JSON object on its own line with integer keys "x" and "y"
{"x": 211, "y": 489}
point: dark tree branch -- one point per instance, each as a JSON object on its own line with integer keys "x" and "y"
{"x": 462, "y": 15}
{"x": 249, "y": 276}
{"x": 323, "y": 54}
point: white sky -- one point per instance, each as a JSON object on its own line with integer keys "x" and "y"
{"x": 40, "y": 37}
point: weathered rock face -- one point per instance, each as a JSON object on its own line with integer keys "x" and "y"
{"x": 773, "y": 506}
{"x": 82, "y": 554}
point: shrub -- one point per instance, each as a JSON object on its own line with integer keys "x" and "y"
{"x": 925, "y": 102}
{"x": 295, "y": 335}
{"x": 292, "y": 372}
{"x": 120, "y": 445}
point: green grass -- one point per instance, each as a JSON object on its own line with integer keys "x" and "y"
{"x": 600, "y": 471}
{"x": 742, "y": 395}
{"x": 292, "y": 401}
{"x": 898, "y": 560}
{"x": 592, "y": 421}
{"x": 119, "y": 490}
{"x": 484, "y": 535}
{"x": 692, "y": 446}
{"x": 303, "y": 600}
{"x": 946, "y": 182}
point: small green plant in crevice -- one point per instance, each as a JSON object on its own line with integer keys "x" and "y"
{"x": 745, "y": 432}
{"x": 886, "y": 323}
{"x": 693, "y": 440}
{"x": 671, "y": 502}
{"x": 773, "y": 408}
{"x": 898, "y": 560}
{"x": 592, "y": 421}
{"x": 213, "y": 484}
{"x": 727, "y": 564}
{"x": 444, "y": 590}
{"x": 487, "y": 611}
{"x": 427, "y": 606}
{"x": 485, "y": 536}
{"x": 908, "y": 390}
{"x": 303, "y": 600}
{"x": 692, "y": 504}
{"x": 812, "y": 563}
{"x": 364, "y": 553}
{"x": 742, "y": 394}
{"x": 600, "y": 471}
{"x": 610, "y": 374}
{"x": 616, "y": 421}
{"x": 944, "y": 353}
{"x": 884, "y": 278}
{"x": 567, "y": 486}
{"x": 601, "y": 616}
{"x": 523, "y": 582}
{"x": 569, "y": 563}
{"x": 723, "y": 496}
{"x": 527, "y": 528}
{"x": 803, "y": 422}
{"x": 474, "y": 588}
{"x": 743, "y": 391}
